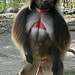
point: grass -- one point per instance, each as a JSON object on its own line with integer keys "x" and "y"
{"x": 70, "y": 72}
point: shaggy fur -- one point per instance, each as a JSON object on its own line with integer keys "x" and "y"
{"x": 50, "y": 44}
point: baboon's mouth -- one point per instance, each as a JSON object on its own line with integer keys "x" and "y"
{"x": 44, "y": 0}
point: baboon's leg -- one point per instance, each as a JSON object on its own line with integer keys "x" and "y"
{"x": 29, "y": 69}
{"x": 61, "y": 69}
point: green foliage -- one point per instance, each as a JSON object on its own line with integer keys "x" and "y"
{"x": 11, "y": 21}
{"x": 68, "y": 4}
{"x": 14, "y": 3}
{"x": 19, "y": 3}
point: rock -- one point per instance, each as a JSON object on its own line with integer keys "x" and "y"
{"x": 10, "y": 10}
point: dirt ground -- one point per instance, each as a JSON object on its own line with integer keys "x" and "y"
{"x": 10, "y": 57}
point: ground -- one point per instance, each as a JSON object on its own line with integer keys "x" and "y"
{"x": 10, "y": 57}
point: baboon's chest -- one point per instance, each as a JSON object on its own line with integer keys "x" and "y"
{"x": 38, "y": 30}
{"x": 40, "y": 25}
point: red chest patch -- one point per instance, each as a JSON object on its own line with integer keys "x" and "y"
{"x": 38, "y": 24}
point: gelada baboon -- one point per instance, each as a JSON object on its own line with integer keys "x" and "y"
{"x": 41, "y": 33}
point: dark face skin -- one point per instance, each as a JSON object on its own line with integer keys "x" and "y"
{"x": 44, "y": 4}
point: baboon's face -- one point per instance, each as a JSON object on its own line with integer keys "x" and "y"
{"x": 44, "y": 4}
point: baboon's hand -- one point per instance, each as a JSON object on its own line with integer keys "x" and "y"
{"x": 29, "y": 58}
{"x": 55, "y": 68}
